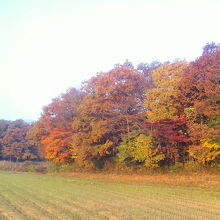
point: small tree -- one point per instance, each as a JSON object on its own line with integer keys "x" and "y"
{"x": 139, "y": 150}
{"x": 206, "y": 152}
{"x": 172, "y": 137}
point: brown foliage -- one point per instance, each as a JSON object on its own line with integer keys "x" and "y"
{"x": 200, "y": 92}
{"x": 16, "y": 142}
{"x": 111, "y": 108}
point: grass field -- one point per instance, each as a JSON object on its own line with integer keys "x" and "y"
{"x": 33, "y": 196}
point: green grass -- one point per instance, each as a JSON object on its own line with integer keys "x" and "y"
{"x": 34, "y": 196}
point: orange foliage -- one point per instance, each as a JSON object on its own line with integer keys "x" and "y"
{"x": 57, "y": 145}
{"x": 54, "y": 129}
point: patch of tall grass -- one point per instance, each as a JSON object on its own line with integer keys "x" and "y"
{"x": 26, "y": 166}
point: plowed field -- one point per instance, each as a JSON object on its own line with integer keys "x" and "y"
{"x": 33, "y": 196}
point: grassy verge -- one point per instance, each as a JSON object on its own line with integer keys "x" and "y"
{"x": 204, "y": 180}
{"x": 34, "y": 196}
{"x": 26, "y": 166}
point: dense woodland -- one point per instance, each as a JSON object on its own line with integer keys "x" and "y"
{"x": 149, "y": 116}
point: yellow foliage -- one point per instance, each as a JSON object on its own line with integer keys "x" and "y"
{"x": 207, "y": 151}
{"x": 140, "y": 150}
{"x": 162, "y": 101}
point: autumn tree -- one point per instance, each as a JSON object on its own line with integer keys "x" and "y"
{"x": 206, "y": 152}
{"x": 3, "y": 128}
{"x": 165, "y": 113}
{"x": 36, "y": 133}
{"x": 163, "y": 101}
{"x": 16, "y": 144}
{"x": 146, "y": 116}
{"x": 111, "y": 108}
{"x": 171, "y": 136}
{"x": 200, "y": 90}
{"x": 139, "y": 151}
{"x": 146, "y": 70}
{"x": 54, "y": 129}
{"x": 200, "y": 87}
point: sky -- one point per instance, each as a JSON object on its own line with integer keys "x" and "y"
{"x": 48, "y": 46}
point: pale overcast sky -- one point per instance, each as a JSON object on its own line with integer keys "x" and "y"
{"x": 47, "y": 46}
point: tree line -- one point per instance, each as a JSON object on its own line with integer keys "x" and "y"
{"x": 154, "y": 115}
{"x": 16, "y": 141}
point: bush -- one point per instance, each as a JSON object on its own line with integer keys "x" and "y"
{"x": 31, "y": 168}
{"x": 139, "y": 151}
{"x": 177, "y": 167}
{"x": 193, "y": 166}
{"x": 59, "y": 167}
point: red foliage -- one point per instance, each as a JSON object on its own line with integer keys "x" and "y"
{"x": 172, "y": 136}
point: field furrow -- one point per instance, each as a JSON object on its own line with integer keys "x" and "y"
{"x": 32, "y": 196}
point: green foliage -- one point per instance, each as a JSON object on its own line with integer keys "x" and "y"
{"x": 139, "y": 150}
{"x": 56, "y": 167}
{"x": 175, "y": 168}
{"x": 31, "y": 168}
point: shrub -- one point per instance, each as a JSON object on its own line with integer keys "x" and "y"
{"x": 192, "y": 166}
{"x": 177, "y": 167}
{"x": 139, "y": 150}
{"x": 54, "y": 167}
{"x": 31, "y": 168}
